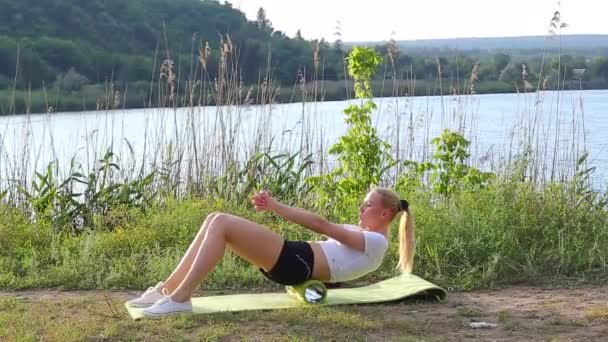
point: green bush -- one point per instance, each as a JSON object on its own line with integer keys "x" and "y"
{"x": 447, "y": 171}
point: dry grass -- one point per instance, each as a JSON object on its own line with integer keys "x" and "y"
{"x": 599, "y": 312}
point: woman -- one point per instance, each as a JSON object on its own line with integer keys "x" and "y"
{"x": 349, "y": 252}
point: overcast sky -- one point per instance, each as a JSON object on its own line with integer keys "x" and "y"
{"x": 423, "y": 19}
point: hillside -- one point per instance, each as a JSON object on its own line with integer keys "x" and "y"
{"x": 79, "y": 49}
{"x": 132, "y": 26}
{"x": 100, "y": 38}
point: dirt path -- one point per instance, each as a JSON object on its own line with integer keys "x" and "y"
{"x": 531, "y": 313}
{"x": 520, "y": 313}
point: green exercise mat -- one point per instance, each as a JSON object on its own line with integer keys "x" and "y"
{"x": 392, "y": 289}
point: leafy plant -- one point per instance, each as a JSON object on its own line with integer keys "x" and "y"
{"x": 581, "y": 188}
{"x": 77, "y": 200}
{"x": 448, "y": 170}
{"x": 43, "y": 194}
{"x": 362, "y": 157}
{"x": 102, "y": 192}
{"x": 282, "y": 174}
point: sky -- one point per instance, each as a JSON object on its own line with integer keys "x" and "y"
{"x": 377, "y": 20}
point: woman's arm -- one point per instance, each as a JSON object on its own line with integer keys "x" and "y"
{"x": 353, "y": 239}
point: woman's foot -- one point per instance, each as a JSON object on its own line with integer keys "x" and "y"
{"x": 148, "y": 298}
{"x": 167, "y": 306}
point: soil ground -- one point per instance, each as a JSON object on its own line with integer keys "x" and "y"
{"x": 520, "y": 313}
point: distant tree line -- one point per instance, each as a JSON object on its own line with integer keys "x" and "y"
{"x": 68, "y": 44}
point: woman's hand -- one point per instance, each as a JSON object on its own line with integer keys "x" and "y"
{"x": 263, "y": 201}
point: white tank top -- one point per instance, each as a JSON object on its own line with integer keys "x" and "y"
{"x": 346, "y": 263}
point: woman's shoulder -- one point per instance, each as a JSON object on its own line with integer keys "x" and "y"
{"x": 351, "y": 226}
{"x": 365, "y": 232}
{"x": 375, "y": 239}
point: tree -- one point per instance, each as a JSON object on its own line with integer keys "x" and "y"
{"x": 500, "y": 62}
{"x": 8, "y": 56}
{"x": 263, "y": 23}
{"x": 70, "y": 81}
{"x": 599, "y": 68}
{"x": 568, "y": 63}
{"x": 460, "y": 66}
{"x": 511, "y": 73}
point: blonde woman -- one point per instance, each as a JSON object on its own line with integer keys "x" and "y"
{"x": 349, "y": 252}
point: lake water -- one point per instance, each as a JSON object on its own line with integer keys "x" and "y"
{"x": 497, "y": 125}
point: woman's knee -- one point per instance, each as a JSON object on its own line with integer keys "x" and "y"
{"x": 209, "y": 221}
{"x": 219, "y": 221}
{"x": 212, "y": 216}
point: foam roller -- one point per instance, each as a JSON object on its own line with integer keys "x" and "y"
{"x": 310, "y": 292}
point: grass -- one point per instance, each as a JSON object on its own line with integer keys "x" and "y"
{"x": 89, "y": 318}
{"x": 475, "y": 240}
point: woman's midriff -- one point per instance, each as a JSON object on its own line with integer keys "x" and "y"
{"x": 320, "y": 269}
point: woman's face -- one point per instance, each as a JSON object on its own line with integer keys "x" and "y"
{"x": 371, "y": 212}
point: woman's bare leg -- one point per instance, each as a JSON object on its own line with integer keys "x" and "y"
{"x": 251, "y": 241}
{"x": 185, "y": 263}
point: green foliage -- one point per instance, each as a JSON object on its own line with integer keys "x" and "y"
{"x": 580, "y": 186}
{"x": 362, "y": 64}
{"x": 120, "y": 40}
{"x": 102, "y": 191}
{"x": 5, "y": 82}
{"x": 75, "y": 202}
{"x": 362, "y": 156}
{"x": 599, "y": 68}
{"x": 448, "y": 170}
{"x": 507, "y": 232}
{"x": 8, "y": 56}
{"x": 70, "y": 81}
{"x": 143, "y": 247}
{"x": 282, "y": 174}
{"x": 511, "y": 232}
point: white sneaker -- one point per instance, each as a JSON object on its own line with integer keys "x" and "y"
{"x": 149, "y": 297}
{"x": 167, "y": 306}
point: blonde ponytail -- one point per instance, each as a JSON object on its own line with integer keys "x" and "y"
{"x": 407, "y": 236}
{"x": 407, "y": 242}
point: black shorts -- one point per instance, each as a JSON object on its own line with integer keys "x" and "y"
{"x": 294, "y": 265}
